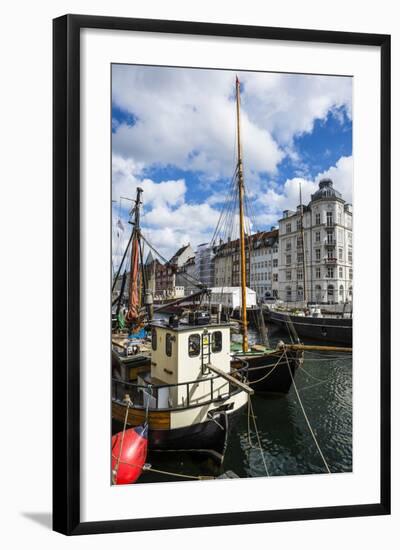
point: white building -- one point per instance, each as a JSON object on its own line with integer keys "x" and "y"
{"x": 327, "y": 223}
{"x": 231, "y": 297}
{"x": 264, "y": 264}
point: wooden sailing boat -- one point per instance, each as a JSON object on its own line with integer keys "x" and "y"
{"x": 270, "y": 370}
{"x": 129, "y": 345}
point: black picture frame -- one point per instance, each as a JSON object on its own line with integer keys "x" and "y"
{"x": 66, "y": 273}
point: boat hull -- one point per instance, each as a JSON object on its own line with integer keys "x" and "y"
{"x": 209, "y": 437}
{"x": 270, "y": 372}
{"x": 327, "y": 329}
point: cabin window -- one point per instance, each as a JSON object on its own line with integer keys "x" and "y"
{"x": 194, "y": 345}
{"x": 168, "y": 344}
{"x": 216, "y": 341}
{"x": 153, "y": 339}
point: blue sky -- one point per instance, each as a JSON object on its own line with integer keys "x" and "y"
{"x": 173, "y": 133}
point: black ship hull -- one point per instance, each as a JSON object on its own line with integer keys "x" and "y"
{"x": 208, "y": 438}
{"x": 330, "y": 330}
{"x": 271, "y": 373}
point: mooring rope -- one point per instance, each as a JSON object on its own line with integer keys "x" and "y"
{"x": 149, "y": 468}
{"x": 306, "y": 418}
{"x": 250, "y": 410}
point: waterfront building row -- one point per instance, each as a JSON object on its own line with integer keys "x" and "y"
{"x": 308, "y": 257}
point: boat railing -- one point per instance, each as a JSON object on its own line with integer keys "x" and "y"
{"x": 139, "y": 392}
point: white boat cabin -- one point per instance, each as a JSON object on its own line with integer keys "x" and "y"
{"x": 180, "y": 355}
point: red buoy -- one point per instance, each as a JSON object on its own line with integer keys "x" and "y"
{"x": 129, "y": 452}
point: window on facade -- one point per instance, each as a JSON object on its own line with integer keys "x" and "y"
{"x": 216, "y": 341}
{"x": 317, "y": 219}
{"x": 288, "y": 294}
{"x": 298, "y": 225}
{"x": 350, "y": 273}
{"x": 275, "y": 293}
{"x": 299, "y": 275}
{"x": 341, "y": 292}
{"x": 275, "y": 277}
{"x": 340, "y": 272}
{"x": 288, "y": 275}
{"x": 350, "y": 256}
{"x": 340, "y": 253}
{"x": 318, "y": 293}
{"x": 288, "y": 245}
{"x": 153, "y": 339}
{"x": 275, "y": 263}
{"x": 318, "y": 273}
{"x": 329, "y": 273}
{"x": 168, "y": 344}
{"x": 194, "y": 345}
{"x": 300, "y": 292}
{"x": 288, "y": 228}
{"x": 330, "y": 293}
{"x": 300, "y": 257}
{"x": 288, "y": 259}
{"x": 317, "y": 236}
{"x": 329, "y": 219}
{"x": 318, "y": 254}
{"x": 329, "y": 237}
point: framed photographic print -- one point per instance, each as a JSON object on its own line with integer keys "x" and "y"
{"x": 221, "y": 274}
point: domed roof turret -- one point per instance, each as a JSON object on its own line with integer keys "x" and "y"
{"x": 326, "y": 191}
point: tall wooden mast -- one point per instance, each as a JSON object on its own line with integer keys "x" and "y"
{"x": 241, "y": 221}
{"x": 134, "y": 286}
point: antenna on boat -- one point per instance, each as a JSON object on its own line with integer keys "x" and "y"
{"x": 241, "y": 221}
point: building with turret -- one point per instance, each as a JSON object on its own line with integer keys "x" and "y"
{"x": 325, "y": 273}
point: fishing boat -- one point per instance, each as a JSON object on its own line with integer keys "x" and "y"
{"x": 189, "y": 395}
{"x": 130, "y": 342}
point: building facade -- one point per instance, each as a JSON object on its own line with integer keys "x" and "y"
{"x": 264, "y": 264}
{"x": 322, "y": 271}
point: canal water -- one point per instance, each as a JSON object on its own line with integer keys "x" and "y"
{"x": 324, "y": 385}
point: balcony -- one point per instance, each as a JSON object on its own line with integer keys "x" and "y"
{"x": 330, "y": 242}
{"x": 330, "y": 261}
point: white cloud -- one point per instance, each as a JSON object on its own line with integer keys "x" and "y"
{"x": 289, "y": 104}
{"x": 168, "y": 220}
{"x": 342, "y": 176}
